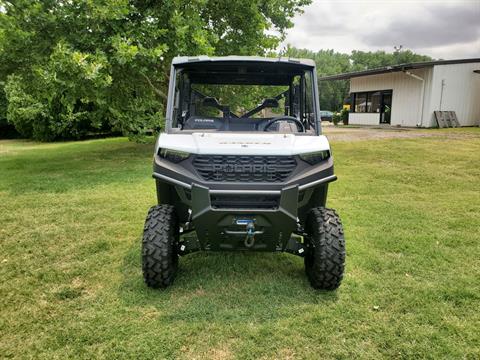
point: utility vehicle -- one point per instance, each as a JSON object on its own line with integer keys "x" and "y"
{"x": 242, "y": 165}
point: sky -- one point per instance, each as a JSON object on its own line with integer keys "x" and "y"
{"x": 442, "y": 29}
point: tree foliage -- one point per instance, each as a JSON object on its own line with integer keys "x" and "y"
{"x": 329, "y": 62}
{"x": 70, "y": 67}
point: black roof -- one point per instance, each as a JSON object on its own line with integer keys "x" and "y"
{"x": 179, "y": 60}
{"x": 395, "y": 68}
{"x": 242, "y": 70}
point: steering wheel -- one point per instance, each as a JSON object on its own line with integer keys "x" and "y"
{"x": 285, "y": 118}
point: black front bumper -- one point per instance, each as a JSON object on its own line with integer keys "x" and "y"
{"x": 225, "y": 228}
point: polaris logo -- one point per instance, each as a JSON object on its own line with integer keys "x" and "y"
{"x": 243, "y": 168}
{"x": 204, "y": 120}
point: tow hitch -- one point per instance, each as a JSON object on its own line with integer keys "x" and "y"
{"x": 249, "y": 232}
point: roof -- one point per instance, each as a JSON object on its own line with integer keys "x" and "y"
{"x": 178, "y": 60}
{"x": 396, "y": 68}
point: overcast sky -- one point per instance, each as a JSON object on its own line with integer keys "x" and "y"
{"x": 439, "y": 28}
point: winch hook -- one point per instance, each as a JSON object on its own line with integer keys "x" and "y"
{"x": 250, "y": 238}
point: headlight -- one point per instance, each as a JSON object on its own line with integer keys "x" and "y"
{"x": 315, "y": 157}
{"x": 174, "y": 156}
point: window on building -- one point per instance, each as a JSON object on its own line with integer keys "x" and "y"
{"x": 360, "y": 102}
{"x": 369, "y": 102}
{"x": 375, "y": 101}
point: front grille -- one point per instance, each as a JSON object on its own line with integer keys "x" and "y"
{"x": 245, "y": 201}
{"x": 244, "y": 168}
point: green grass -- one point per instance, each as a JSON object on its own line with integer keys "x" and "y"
{"x": 71, "y": 286}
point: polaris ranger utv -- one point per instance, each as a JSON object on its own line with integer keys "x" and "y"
{"x": 242, "y": 165}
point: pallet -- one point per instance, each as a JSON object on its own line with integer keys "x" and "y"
{"x": 447, "y": 119}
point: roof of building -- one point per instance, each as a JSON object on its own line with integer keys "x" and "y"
{"x": 395, "y": 68}
{"x": 203, "y": 58}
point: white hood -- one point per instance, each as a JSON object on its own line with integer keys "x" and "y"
{"x": 242, "y": 143}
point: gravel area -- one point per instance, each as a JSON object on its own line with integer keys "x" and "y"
{"x": 341, "y": 133}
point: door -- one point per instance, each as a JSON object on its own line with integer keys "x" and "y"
{"x": 386, "y": 107}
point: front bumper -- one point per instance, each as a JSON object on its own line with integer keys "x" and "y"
{"x": 225, "y": 229}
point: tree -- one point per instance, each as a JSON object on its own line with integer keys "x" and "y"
{"x": 328, "y": 62}
{"x": 361, "y": 60}
{"x": 70, "y": 67}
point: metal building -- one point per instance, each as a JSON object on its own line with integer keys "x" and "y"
{"x": 409, "y": 94}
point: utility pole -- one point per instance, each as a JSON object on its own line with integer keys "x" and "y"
{"x": 396, "y": 52}
{"x": 397, "y": 49}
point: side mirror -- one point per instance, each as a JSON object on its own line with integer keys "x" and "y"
{"x": 270, "y": 103}
{"x": 211, "y": 101}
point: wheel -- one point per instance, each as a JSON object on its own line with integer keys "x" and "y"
{"x": 159, "y": 246}
{"x": 325, "y": 255}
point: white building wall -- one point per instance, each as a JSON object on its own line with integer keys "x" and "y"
{"x": 461, "y": 93}
{"x": 363, "y": 118}
{"x": 406, "y": 96}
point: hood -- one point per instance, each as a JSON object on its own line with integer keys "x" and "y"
{"x": 242, "y": 143}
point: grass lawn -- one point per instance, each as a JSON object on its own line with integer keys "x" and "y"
{"x": 71, "y": 217}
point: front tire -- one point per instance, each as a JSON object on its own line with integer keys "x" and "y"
{"x": 159, "y": 246}
{"x": 325, "y": 255}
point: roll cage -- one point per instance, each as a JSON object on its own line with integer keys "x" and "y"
{"x": 296, "y": 78}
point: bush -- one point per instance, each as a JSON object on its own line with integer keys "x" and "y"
{"x": 336, "y": 118}
{"x": 72, "y": 95}
{"x": 344, "y": 116}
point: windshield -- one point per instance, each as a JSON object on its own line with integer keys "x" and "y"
{"x": 244, "y": 97}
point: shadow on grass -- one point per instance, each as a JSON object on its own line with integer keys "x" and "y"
{"x": 224, "y": 286}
